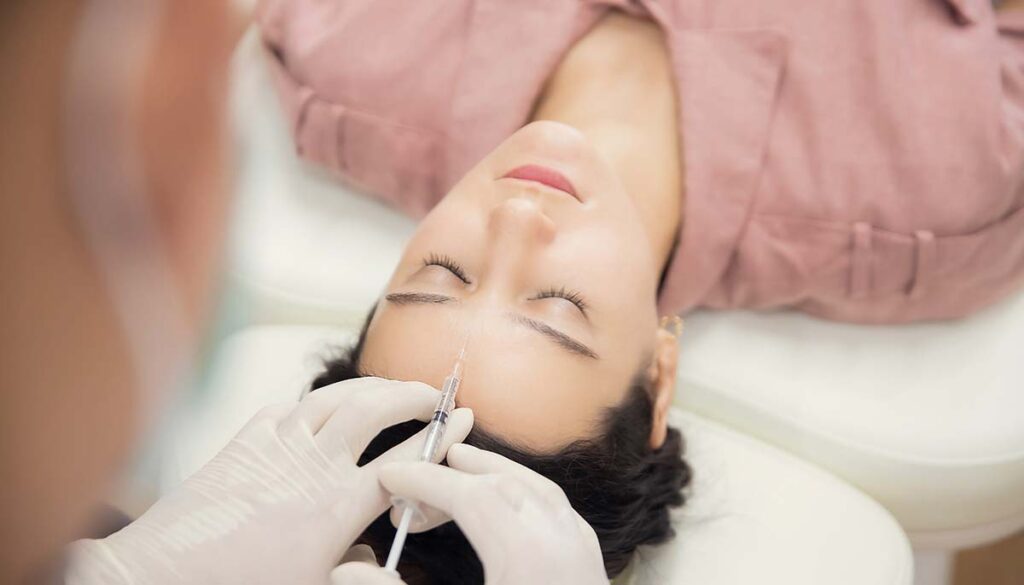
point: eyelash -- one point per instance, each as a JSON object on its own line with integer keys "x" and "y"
{"x": 448, "y": 263}
{"x": 564, "y": 293}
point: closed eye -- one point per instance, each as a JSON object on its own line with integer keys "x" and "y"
{"x": 564, "y": 293}
{"x": 449, "y": 264}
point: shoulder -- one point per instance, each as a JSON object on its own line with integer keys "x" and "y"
{"x": 371, "y": 56}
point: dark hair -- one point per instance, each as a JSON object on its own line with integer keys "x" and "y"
{"x": 615, "y": 481}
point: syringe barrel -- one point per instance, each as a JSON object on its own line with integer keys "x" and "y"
{"x": 439, "y": 420}
{"x": 434, "y": 435}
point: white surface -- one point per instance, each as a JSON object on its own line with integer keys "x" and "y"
{"x": 757, "y": 515}
{"x": 933, "y": 567}
{"x": 928, "y": 419}
{"x": 302, "y": 249}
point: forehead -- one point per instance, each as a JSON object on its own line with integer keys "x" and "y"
{"x": 520, "y": 386}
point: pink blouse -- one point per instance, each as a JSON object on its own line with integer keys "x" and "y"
{"x": 857, "y": 160}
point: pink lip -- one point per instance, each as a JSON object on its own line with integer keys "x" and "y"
{"x": 544, "y": 176}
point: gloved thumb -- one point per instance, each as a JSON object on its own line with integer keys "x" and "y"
{"x": 459, "y": 424}
{"x": 360, "y": 553}
{"x": 428, "y": 518}
{"x": 363, "y": 574}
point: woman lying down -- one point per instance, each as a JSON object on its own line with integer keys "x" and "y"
{"x": 560, "y": 380}
{"x": 859, "y": 161}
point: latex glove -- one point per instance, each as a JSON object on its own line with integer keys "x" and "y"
{"x": 520, "y": 523}
{"x": 364, "y": 573}
{"x": 280, "y": 503}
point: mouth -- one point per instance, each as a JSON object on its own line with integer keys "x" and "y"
{"x": 545, "y": 176}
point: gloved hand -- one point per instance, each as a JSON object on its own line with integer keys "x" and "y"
{"x": 519, "y": 522}
{"x": 280, "y": 503}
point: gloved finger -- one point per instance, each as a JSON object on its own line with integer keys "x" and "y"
{"x": 357, "y": 415}
{"x": 271, "y": 414}
{"x": 479, "y": 462}
{"x": 363, "y": 574}
{"x": 429, "y": 518}
{"x": 317, "y": 407}
{"x": 360, "y": 553}
{"x": 587, "y": 531}
{"x": 460, "y": 422}
{"x": 442, "y": 488}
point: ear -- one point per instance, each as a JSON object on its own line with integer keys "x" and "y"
{"x": 661, "y": 379}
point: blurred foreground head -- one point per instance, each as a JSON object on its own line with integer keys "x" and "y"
{"x": 112, "y": 200}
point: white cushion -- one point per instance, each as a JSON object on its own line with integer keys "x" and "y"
{"x": 928, "y": 418}
{"x": 757, "y": 515}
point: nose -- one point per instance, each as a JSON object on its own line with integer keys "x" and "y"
{"x": 520, "y": 223}
{"x": 519, "y": 230}
{"x": 522, "y": 218}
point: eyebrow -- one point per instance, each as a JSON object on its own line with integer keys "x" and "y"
{"x": 418, "y": 298}
{"x": 555, "y": 335}
{"x": 563, "y": 340}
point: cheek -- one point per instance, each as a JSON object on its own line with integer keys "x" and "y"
{"x": 611, "y": 263}
{"x": 456, "y": 226}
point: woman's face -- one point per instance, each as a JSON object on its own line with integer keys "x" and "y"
{"x": 554, "y": 292}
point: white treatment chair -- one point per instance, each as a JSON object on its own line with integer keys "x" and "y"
{"x": 926, "y": 419}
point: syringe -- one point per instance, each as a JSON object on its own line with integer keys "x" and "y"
{"x": 435, "y": 433}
